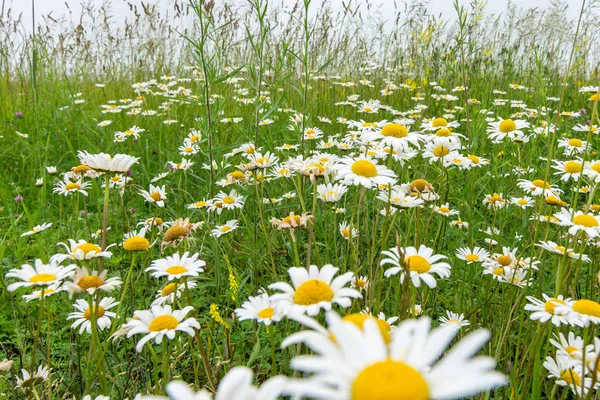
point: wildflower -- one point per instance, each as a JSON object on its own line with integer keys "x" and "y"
{"x": 363, "y": 171}
{"x": 176, "y": 266}
{"x": 554, "y": 309}
{"x": 156, "y": 195}
{"x": 40, "y": 275}
{"x": 454, "y": 320}
{"x": 68, "y": 186}
{"x": 105, "y": 163}
{"x": 228, "y": 227}
{"x": 260, "y": 308}
{"x": 100, "y": 314}
{"x": 136, "y": 241}
{"x": 292, "y": 221}
{"x": 421, "y": 264}
{"x": 37, "y": 229}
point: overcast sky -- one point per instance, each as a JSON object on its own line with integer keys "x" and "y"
{"x": 445, "y": 7}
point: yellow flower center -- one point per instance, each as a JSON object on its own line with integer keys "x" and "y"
{"x": 87, "y": 247}
{"x": 560, "y": 248}
{"x": 498, "y": 271}
{"x": 80, "y": 169}
{"x": 72, "y": 186}
{"x": 571, "y": 351}
{"x": 441, "y": 151}
{"x": 417, "y": 264}
{"x": 472, "y": 257}
{"x": 596, "y": 167}
{"x": 443, "y": 132}
{"x": 496, "y": 198}
{"x": 394, "y": 130}
{"x": 474, "y": 159}
{"x": 228, "y": 200}
{"x": 522, "y": 202}
{"x": 266, "y": 313}
{"x": 200, "y": 204}
{"x": 364, "y": 168}
{"x": 439, "y": 122}
{"x": 163, "y": 322}
{"x": 542, "y": 184}
{"x": 90, "y": 281}
{"x": 571, "y": 377}
{"x": 262, "y": 160}
{"x": 507, "y": 125}
{"x": 98, "y": 312}
{"x": 389, "y": 380}
{"x": 550, "y": 305}
{"x": 444, "y": 209}
{"x": 189, "y": 150}
{"x": 585, "y": 220}
{"x": 420, "y": 185}
{"x": 176, "y": 270}
{"x": 587, "y": 307}
{"x": 360, "y": 283}
{"x": 194, "y": 138}
{"x": 168, "y": 289}
{"x": 359, "y": 320}
{"x": 575, "y": 142}
{"x": 156, "y": 196}
{"x": 553, "y": 200}
{"x": 313, "y": 291}
{"x": 175, "y": 232}
{"x": 238, "y": 175}
{"x": 225, "y": 228}
{"x": 504, "y": 260}
{"x": 136, "y": 243}
{"x": 573, "y": 167}
{"x": 288, "y": 219}
{"x": 42, "y": 278}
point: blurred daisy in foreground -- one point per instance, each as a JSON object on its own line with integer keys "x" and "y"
{"x": 359, "y": 364}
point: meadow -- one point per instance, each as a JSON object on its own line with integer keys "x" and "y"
{"x": 239, "y": 201}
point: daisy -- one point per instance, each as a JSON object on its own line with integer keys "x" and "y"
{"x": 29, "y": 380}
{"x": 569, "y": 374}
{"x": 156, "y": 195}
{"x": 394, "y": 135}
{"x": 363, "y": 171}
{"x": 259, "y": 160}
{"x": 180, "y": 229}
{"x": 136, "y": 240}
{"x": 503, "y": 128}
{"x": 48, "y": 291}
{"x": 159, "y": 322}
{"x": 167, "y": 294}
{"x": 229, "y": 201}
{"x": 84, "y": 313}
{"x": 523, "y": 202}
{"x": 421, "y": 264}
{"x": 558, "y": 249}
{"x": 360, "y": 283}
{"x": 81, "y": 250}
{"x": 436, "y": 151}
{"x": 494, "y": 201}
{"x": 331, "y": 192}
{"x": 568, "y": 169}
{"x": 579, "y": 222}
{"x": 312, "y": 133}
{"x": 260, "y": 308}
{"x": 105, "y": 163}
{"x": 176, "y": 266}
{"x": 399, "y": 199}
{"x": 551, "y": 310}
{"x": 40, "y": 275}
{"x": 313, "y": 289}
{"x": 586, "y": 310}
{"x": 478, "y": 254}
{"x": 347, "y": 231}
{"x": 572, "y": 146}
{"x": 292, "y": 221}
{"x": 445, "y": 210}
{"x": 454, "y": 320}
{"x": 437, "y": 123}
{"x": 84, "y": 281}
{"x": 68, "y": 186}
{"x": 591, "y": 170}
{"x": 229, "y": 227}
{"x": 571, "y": 346}
{"x": 361, "y": 365}
{"x": 37, "y": 229}
{"x": 538, "y": 187}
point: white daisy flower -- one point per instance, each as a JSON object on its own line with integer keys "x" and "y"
{"x": 159, "y": 322}
{"x": 421, "y": 264}
{"x": 228, "y": 227}
{"x": 363, "y": 171}
{"x": 478, "y": 254}
{"x": 176, "y": 266}
{"x": 454, "y": 320}
{"x": 81, "y": 251}
{"x": 40, "y": 275}
{"x": 37, "y": 229}
{"x": 105, "y": 163}
{"x": 313, "y": 289}
{"x": 260, "y": 308}
{"x": 84, "y": 313}
{"x": 579, "y": 221}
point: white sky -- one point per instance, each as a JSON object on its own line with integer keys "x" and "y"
{"x": 121, "y": 9}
